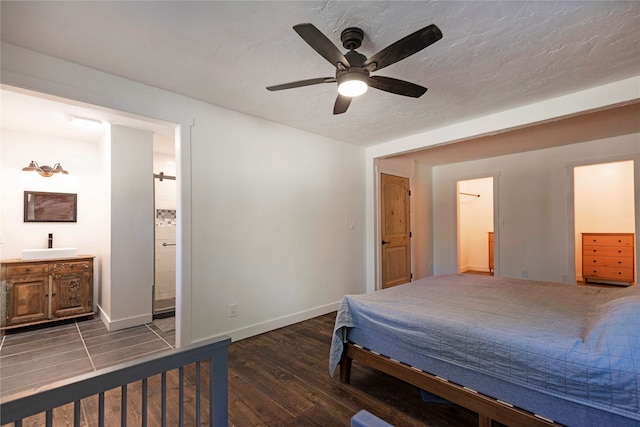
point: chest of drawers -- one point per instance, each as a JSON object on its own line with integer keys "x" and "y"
{"x": 608, "y": 257}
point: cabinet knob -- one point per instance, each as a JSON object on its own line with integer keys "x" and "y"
{"x": 27, "y": 269}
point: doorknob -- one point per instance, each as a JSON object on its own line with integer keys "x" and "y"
{"x": 385, "y": 242}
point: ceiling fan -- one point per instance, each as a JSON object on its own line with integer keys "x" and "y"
{"x": 353, "y": 69}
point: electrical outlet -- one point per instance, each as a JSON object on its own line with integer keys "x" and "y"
{"x": 525, "y": 274}
{"x": 233, "y": 310}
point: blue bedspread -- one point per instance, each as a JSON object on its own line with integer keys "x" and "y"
{"x": 578, "y": 343}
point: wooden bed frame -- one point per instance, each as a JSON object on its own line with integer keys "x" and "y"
{"x": 488, "y": 409}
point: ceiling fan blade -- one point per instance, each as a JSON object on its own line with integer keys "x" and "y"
{"x": 321, "y": 44}
{"x": 399, "y": 87}
{"x": 341, "y": 105}
{"x": 404, "y": 47}
{"x": 302, "y": 83}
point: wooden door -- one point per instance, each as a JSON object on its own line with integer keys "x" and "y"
{"x": 395, "y": 230}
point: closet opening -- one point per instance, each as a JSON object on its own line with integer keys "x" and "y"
{"x": 475, "y": 226}
{"x": 604, "y": 218}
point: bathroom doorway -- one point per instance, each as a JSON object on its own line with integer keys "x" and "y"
{"x": 165, "y": 202}
{"x": 475, "y": 226}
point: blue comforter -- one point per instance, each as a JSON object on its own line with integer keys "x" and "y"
{"x": 576, "y": 342}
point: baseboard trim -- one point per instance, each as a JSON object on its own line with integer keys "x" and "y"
{"x": 280, "y": 322}
{"x": 116, "y": 325}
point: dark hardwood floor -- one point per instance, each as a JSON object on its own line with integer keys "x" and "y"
{"x": 281, "y": 378}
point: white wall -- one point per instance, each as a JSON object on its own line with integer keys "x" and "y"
{"x": 80, "y": 158}
{"x": 131, "y": 228}
{"x": 265, "y": 209}
{"x": 535, "y": 222}
{"x": 603, "y": 202}
{"x": 271, "y": 212}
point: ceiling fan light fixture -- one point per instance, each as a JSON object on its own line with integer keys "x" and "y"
{"x": 352, "y": 84}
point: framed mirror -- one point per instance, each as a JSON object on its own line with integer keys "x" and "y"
{"x": 50, "y": 207}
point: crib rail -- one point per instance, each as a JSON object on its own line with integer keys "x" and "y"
{"x": 209, "y": 355}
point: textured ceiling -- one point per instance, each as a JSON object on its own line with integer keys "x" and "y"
{"x": 493, "y": 56}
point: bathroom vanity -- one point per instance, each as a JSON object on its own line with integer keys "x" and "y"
{"x": 42, "y": 291}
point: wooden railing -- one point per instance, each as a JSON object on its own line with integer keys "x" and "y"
{"x": 141, "y": 378}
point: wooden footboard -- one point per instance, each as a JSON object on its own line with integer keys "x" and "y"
{"x": 488, "y": 409}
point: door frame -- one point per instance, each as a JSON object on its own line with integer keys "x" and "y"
{"x": 570, "y": 204}
{"x": 378, "y": 171}
{"x": 183, "y": 145}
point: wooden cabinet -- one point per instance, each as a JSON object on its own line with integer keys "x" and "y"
{"x": 42, "y": 291}
{"x": 490, "y": 251}
{"x": 608, "y": 257}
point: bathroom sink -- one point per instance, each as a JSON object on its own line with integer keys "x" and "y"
{"x": 30, "y": 254}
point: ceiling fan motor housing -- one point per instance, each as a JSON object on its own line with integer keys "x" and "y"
{"x": 355, "y": 71}
{"x": 352, "y": 38}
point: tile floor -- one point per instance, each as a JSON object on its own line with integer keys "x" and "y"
{"x": 36, "y": 357}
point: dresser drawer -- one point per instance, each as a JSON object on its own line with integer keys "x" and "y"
{"x": 608, "y": 240}
{"x": 607, "y": 261}
{"x": 70, "y": 267}
{"x": 29, "y": 268}
{"x": 609, "y": 273}
{"x": 612, "y": 251}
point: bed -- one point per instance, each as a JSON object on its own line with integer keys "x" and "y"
{"x": 521, "y": 352}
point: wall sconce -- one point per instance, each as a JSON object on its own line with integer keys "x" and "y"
{"x": 45, "y": 170}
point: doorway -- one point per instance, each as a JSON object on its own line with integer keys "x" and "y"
{"x": 165, "y": 236}
{"x": 604, "y": 206}
{"x": 476, "y": 243}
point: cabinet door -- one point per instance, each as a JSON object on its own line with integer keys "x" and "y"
{"x": 27, "y": 299}
{"x": 72, "y": 294}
